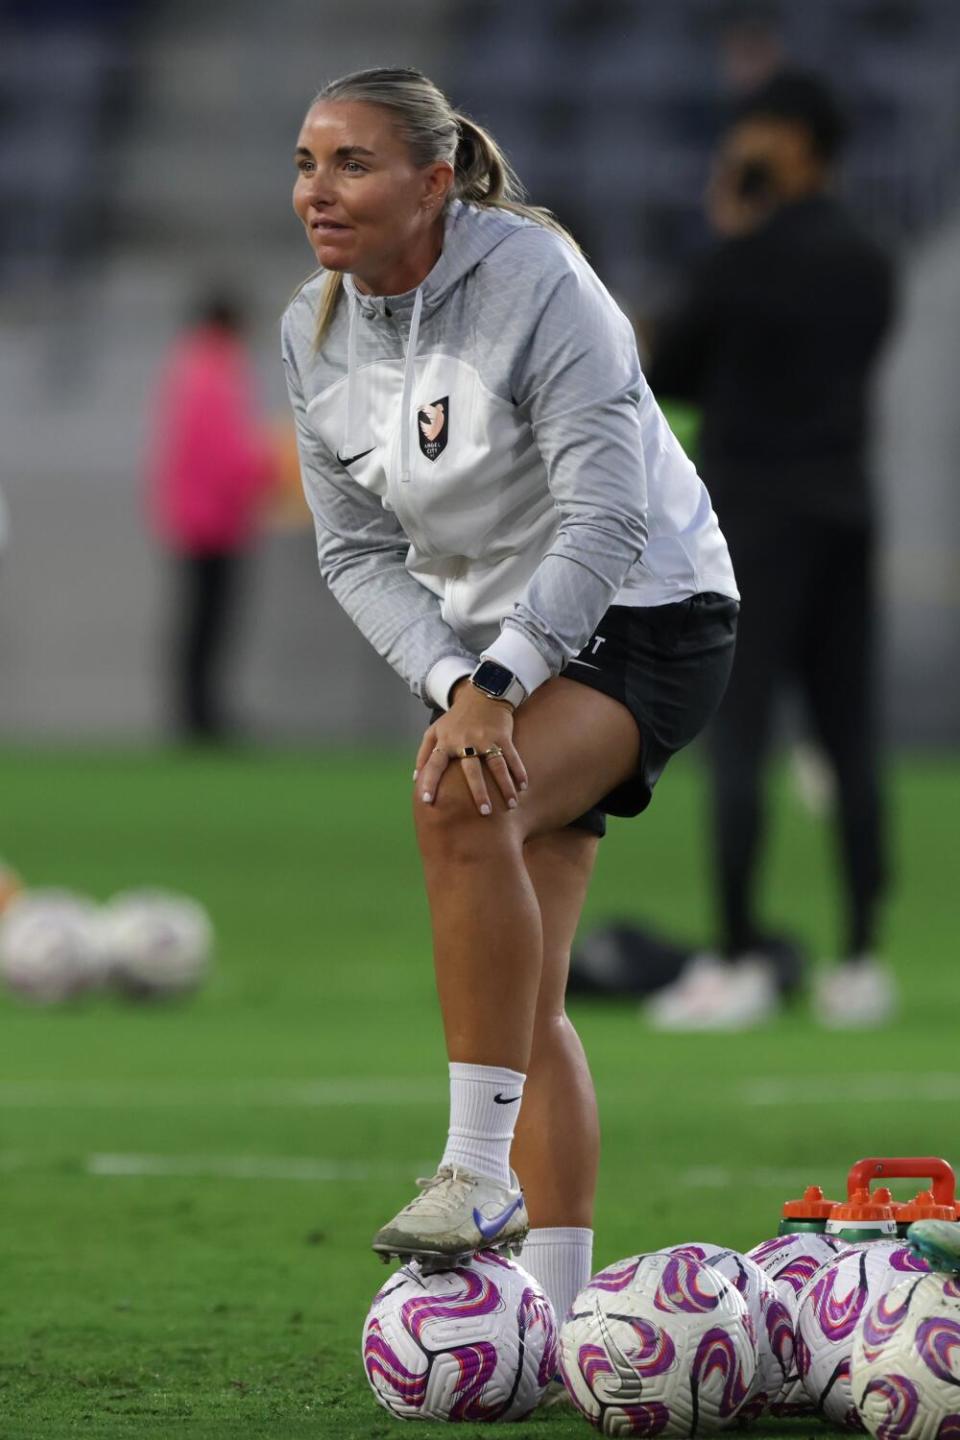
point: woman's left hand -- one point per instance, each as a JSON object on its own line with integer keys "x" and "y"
{"x": 482, "y": 727}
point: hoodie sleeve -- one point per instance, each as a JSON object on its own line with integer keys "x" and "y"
{"x": 362, "y": 552}
{"x": 578, "y": 380}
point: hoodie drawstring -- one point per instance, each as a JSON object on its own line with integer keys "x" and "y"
{"x": 351, "y": 377}
{"x": 409, "y": 369}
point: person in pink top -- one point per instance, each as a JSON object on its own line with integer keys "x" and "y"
{"x": 211, "y": 463}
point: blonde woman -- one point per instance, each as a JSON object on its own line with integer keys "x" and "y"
{"x": 504, "y": 513}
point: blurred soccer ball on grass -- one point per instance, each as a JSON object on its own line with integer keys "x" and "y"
{"x": 51, "y": 946}
{"x": 157, "y": 944}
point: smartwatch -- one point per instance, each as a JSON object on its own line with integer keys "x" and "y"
{"x": 498, "y": 682}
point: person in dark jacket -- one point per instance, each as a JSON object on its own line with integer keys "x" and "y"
{"x": 777, "y": 339}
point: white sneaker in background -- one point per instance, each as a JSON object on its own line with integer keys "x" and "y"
{"x": 713, "y": 995}
{"x": 856, "y": 995}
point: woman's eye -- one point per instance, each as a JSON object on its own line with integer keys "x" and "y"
{"x": 354, "y": 167}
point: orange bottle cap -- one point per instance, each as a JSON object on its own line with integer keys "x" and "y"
{"x": 923, "y": 1207}
{"x": 864, "y": 1206}
{"x": 813, "y": 1206}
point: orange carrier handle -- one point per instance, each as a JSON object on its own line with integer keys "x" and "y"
{"x": 905, "y": 1167}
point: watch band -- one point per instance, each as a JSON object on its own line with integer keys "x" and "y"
{"x": 498, "y": 682}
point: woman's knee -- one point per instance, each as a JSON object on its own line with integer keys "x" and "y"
{"x": 451, "y": 828}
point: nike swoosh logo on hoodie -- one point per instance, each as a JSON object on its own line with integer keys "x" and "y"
{"x": 348, "y": 460}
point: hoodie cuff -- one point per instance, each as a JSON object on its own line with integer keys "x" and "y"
{"x": 512, "y": 649}
{"x": 444, "y": 675}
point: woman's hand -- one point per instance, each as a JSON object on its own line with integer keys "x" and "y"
{"x": 473, "y": 722}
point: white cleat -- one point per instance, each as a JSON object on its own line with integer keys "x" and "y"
{"x": 857, "y": 995}
{"x": 712, "y": 995}
{"x": 456, "y": 1215}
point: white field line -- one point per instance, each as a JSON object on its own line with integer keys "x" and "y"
{"x": 243, "y": 1167}
{"x": 865, "y": 1089}
{"x": 323, "y": 1170}
{"x": 326, "y": 1093}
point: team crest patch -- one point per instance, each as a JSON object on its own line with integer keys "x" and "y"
{"x": 433, "y": 424}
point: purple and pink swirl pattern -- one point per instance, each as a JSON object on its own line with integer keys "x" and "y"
{"x": 478, "y": 1297}
{"x": 838, "y": 1315}
{"x": 535, "y": 1313}
{"x": 381, "y": 1361}
{"x": 762, "y": 1253}
{"x": 899, "y": 1401}
{"x": 656, "y": 1352}
{"x": 780, "y": 1336}
{"x": 477, "y": 1364}
{"x": 593, "y": 1362}
{"x": 650, "y": 1418}
{"x": 679, "y": 1289}
{"x": 949, "y": 1428}
{"x": 717, "y": 1355}
{"x": 937, "y": 1342}
{"x": 801, "y": 1355}
{"x": 904, "y": 1260}
{"x": 798, "y": 1271}
{"x": 882, "y": 1322}
{"x": 616, "y": 1277}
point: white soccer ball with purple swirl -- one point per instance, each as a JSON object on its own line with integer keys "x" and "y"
{"x": 158, "y": 943}
{"x": 791, "y": 1261}
{"x": 906, "y": 1361}
{"x": 658, "y": 1345}
{"x": 832, "y": 1308}
{"x": 771, "y": 1319}
{"x": 50, "y": 946}
{"x": 478, "y": 1343}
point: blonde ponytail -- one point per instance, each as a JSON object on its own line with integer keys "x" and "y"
{"x": 484, "y": 176}
{"x": 433, "y": 131}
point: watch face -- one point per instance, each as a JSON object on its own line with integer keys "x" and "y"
{"x": 492, "y": 678}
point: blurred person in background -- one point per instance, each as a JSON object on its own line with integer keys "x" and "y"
{"x": 211, "y": 464}
{"x": 777, "y": 338}
{"x": 486, "y": 467}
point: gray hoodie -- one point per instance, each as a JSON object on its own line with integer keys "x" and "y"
{"x": 486, "y": 465}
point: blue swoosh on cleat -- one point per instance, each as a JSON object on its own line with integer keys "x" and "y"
{"x": 489, "y": 1229}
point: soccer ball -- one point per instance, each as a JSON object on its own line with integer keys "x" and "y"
{"x": 831, "y": 1309}
{"x": 771, "y": 1318}
{"x": 658, "y": 1345}
{"x": 906, "y": 1361}
{"x": 475, "y": 1343}
{"x": 791, "y": 1261}
{"x": 50, "y": 946}
{"x": 157, "y": 943}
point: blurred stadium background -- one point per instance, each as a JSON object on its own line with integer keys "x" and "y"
{"x": 166, "y": 1260}
{"x": 145, "y": 153}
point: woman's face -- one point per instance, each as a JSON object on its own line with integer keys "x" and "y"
{"x": 366, "y": 207}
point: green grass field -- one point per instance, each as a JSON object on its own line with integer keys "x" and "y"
{"x": 188, "y": 1192}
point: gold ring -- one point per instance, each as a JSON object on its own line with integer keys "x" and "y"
{"x": 468, "y": 752}
{"x": 494, "y": 750}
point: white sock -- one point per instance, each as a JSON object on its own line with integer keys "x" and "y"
{"x": 561, "y": 1259}
{"x": 484, "y": 1102}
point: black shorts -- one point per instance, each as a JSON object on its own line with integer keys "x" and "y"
{"x": 669, "y": 664}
